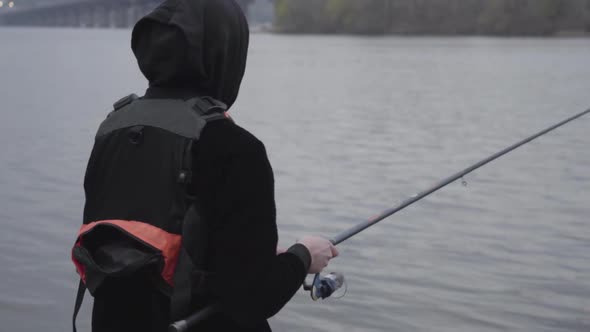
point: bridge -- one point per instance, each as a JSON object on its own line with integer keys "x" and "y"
{"x": 80, "y": 13}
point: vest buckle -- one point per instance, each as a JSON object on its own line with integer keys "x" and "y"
{"x": 208, "y": 105}
{"x": 125, "y": 101}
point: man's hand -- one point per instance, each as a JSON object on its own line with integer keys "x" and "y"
{"x": 321, "y": 251}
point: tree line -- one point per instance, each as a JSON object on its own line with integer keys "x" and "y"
{"x": 485, "y": 17}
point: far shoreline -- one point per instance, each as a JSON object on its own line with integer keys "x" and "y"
{"x": 565, "y": 34}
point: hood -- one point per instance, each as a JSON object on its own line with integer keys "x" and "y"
{"x": 194, "y": 45}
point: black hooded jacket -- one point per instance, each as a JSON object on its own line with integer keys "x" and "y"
{"x": 187, "y": 48}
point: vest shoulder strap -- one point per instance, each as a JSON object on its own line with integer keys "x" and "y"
{"x": 184, "y": 118}
{"x": 78, "y": 304}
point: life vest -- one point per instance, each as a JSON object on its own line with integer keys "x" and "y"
{"x": 138, "y": 197}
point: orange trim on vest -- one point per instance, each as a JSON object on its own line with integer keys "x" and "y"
{"x": 167, "y": 243}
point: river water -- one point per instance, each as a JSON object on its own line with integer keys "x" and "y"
{"x": 352, "y": 126}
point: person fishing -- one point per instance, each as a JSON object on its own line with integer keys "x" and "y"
{"x": 180, "y": 210}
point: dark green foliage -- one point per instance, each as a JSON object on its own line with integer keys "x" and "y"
{"x": 496, "y": 17}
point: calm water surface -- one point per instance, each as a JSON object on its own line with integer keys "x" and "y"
{"x": 352, "y": 126}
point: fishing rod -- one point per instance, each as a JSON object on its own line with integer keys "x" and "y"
{"x": 323, "y": 287}
{"x": 414, "y": 198}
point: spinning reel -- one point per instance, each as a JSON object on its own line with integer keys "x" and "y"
{"x": 324, "y": 287}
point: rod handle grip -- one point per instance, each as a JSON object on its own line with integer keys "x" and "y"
{"x": 180, "y": 326}
{"x": 194, "y": 319}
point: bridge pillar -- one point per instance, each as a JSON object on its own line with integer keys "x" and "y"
{"x": 100, "y": 16}
{"x": 128, "y": 16}
{"x": 60, "y": 18}
{"x": 72, "y": 17}
{"x": 120, "y": 15}
{"x": 85, "y": 15}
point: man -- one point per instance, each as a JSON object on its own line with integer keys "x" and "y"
{"x": 186, "y": 49}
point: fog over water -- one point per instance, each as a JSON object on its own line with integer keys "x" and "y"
{"x": 352, "y": 126}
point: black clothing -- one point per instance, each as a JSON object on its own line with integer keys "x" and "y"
{"x": 235, "y": 194}
{"x": 198, "y": 45}
{"x": 187, "y": 48}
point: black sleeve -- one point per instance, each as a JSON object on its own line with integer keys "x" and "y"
{"x": 252, "y": 282}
